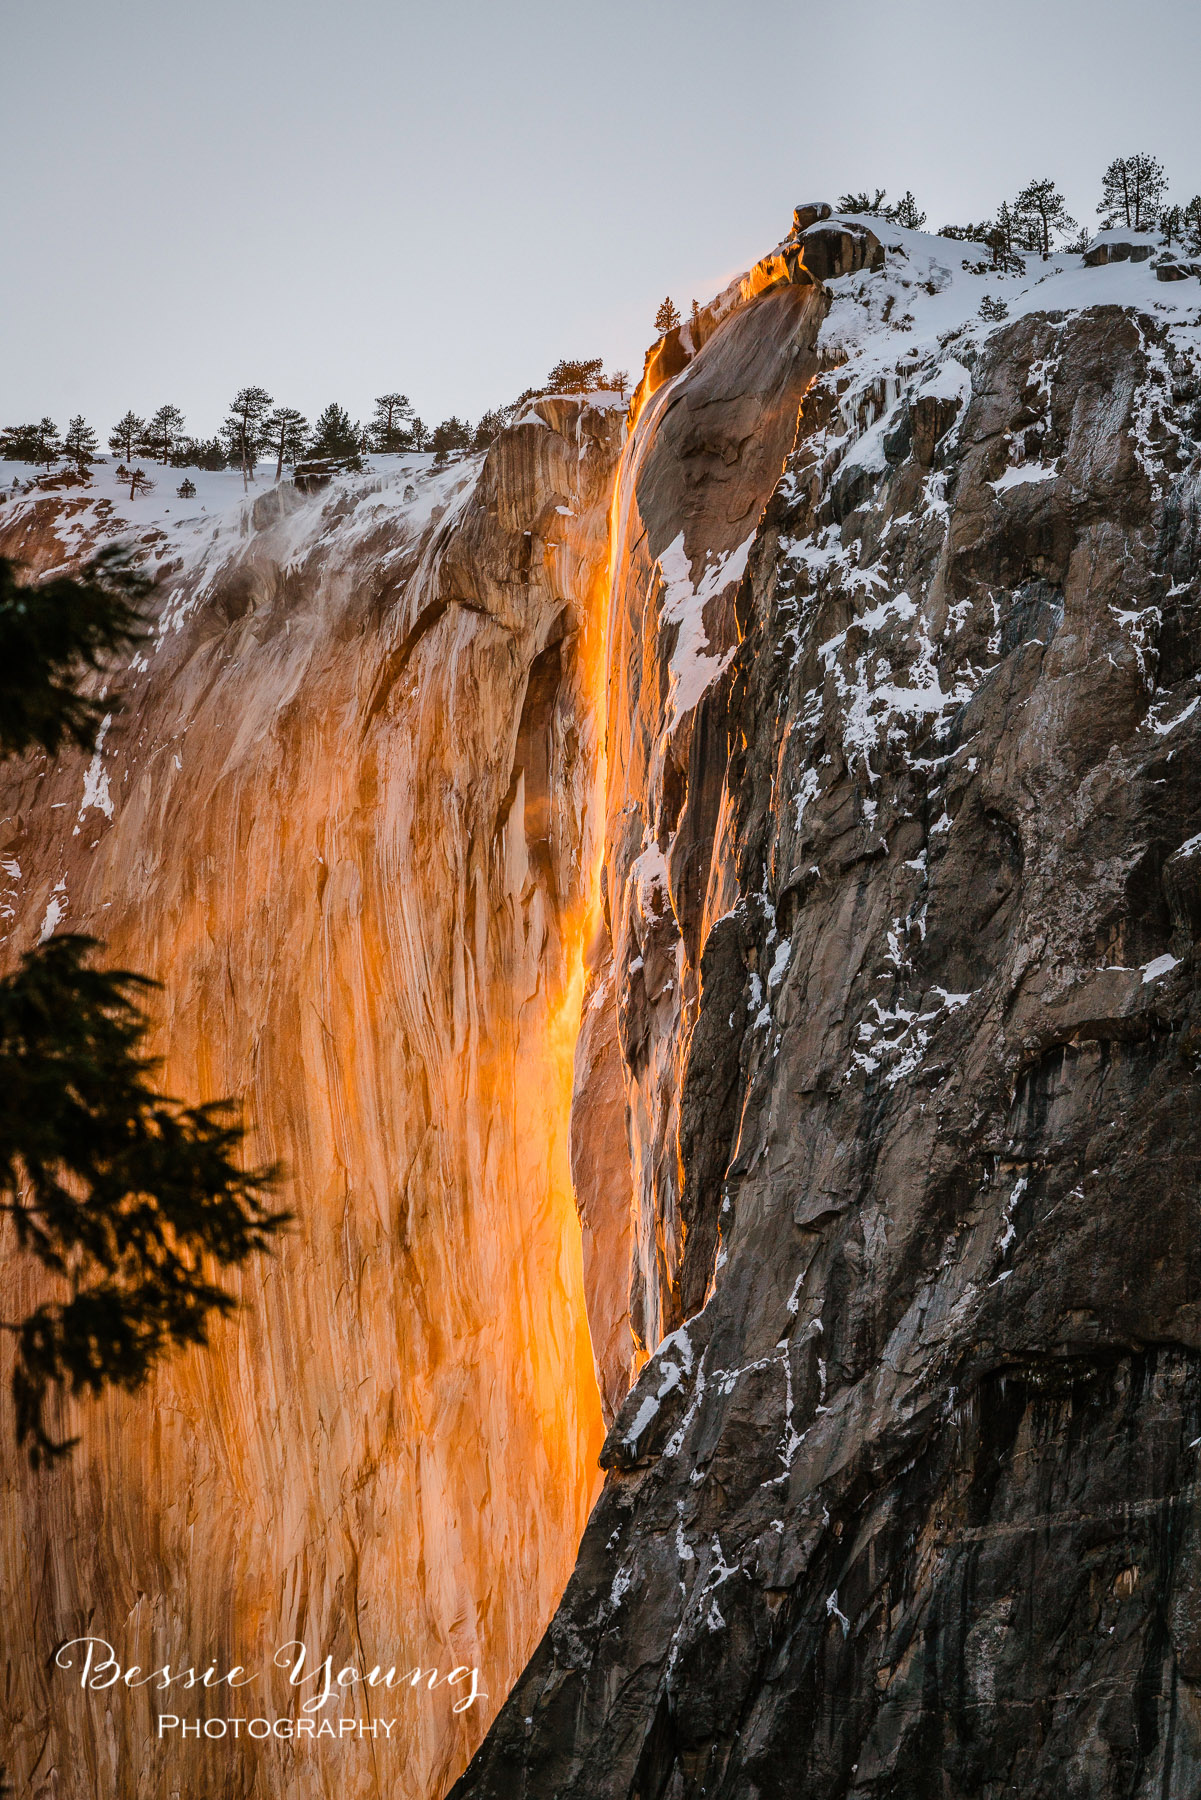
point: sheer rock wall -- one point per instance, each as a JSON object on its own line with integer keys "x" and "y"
{"x": 903, "y": 1502}
{"x": 347, "y": 817}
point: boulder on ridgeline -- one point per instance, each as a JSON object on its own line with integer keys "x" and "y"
{"x": 839, "y": 248}
{"x": 810, "y": 213}
{"x": 1118, "y": 246}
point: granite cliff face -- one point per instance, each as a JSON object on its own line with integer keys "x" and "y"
{"x": 902, "y": 888}
{"x": 844, "y": 725}
{"x": 347, "y": 817}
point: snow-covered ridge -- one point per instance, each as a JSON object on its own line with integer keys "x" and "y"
{"x": 914, "y": 327}
{"x": 176, "y": 533}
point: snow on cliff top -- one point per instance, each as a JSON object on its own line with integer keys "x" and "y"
{"x": 180, "y": 532}
{"x": 929, "y": 289}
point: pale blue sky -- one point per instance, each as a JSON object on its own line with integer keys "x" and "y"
{"x": 335, "y": 199}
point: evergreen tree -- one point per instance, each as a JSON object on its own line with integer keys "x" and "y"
{"x": 126, "y": 435}
{"x": 864, "y": 203}
{"x": 47, "y": 442}
{"x": 1042, "y": 210}
{"x": 139, "y": 482}
{"x": 19, "y": 443}
{"x": 163, "y": 432}
{"x": 620, "y": 380}
{"x": 419, "y": 433}
{"x": 209, "y": 453}
{"x": 284, "y": 431}
{"x": 578, "y": 375}
{"x": 972, "y": 234}
{"x": 186, "y": 489}
{"x": 52, "y": 636}
{"x": 1171, "y": 223}
{"x": 122, "y": 1195}
{"x": 452, "y": 434}
{"x": 993, "y": 309}
{"x": 491, "y": 424}
{"x": 1005, "y": 238}
{"x": 906, "y": 213}
{"x": 117, "y": 1190}
{"x": 667, "y": 317}
{"x": 243, "y": 428}
{"x": 389, "y": 429}
{"x": 334, "y": 435}
{"x": 38, "y": 443}
{"x": 80, "y": 443}
{"x": 1132, "y": 190}
{"x": 1190, "y": 226}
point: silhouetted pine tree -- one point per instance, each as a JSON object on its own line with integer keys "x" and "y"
{"x": 209, "y": 453}
{"x": 907, "y": 213}
{"x": 1132, "y": 190}
{"x": 577, "y": 375}
{"x": 491, "y": 424}
{"x": 452, "y": 434}
{"x": 123, "y": 1195}
{"x": 1042, "y": 212}
{"x": 1190, "y": 226}
{"x": 80, "y": 444}
{"x": 973, "y": 234}
{"x": 126, "y": 435}
{"x": 18, "y": 443}
{"x": 667, "y": 317}
{"x": 47, "y": 443}
{"x": 389, "y": 429}
{"x": 335, "y": 436}
{"x": 242, "y": 431}
{"x": 864, "y": 203}
{"x": 54, "y": 634}
{"x": 163, "y": 432}
{"x": 284, "y": 431}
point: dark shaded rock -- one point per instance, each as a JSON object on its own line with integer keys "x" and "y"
{"x": 1182, "y": 885}
{"x": 1172, "y": 271}
{"x": 809, "y": 214}
{"x": 1117, "y": 250}
{"x": 931, "y": 416}
{"x": 829, "y": 251}
{"x": 898, "y": 441}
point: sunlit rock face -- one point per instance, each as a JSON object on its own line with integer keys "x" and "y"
{"x": 348, "y": 819}
{"x": 704, "y": 457}
{"x": 898, "y": 973}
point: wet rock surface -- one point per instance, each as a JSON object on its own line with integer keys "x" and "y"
{"x": 904, "y": 1501}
